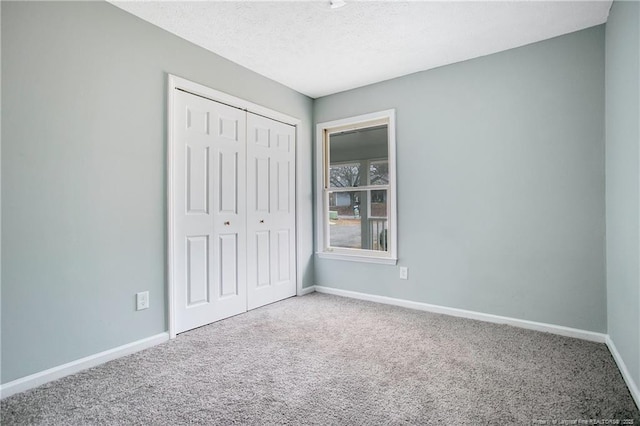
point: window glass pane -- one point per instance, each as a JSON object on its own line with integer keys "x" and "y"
{"x": 379, "y": 173}
{"x": 344, "y": 175}
{"x": 345, "y": 222}
{"x": 352, "y": 225}
{"x": 377, "y": 221}
{"x": 357, "y": 156}
{"x": 378, "y": 203}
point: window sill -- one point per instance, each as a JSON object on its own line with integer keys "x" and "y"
{"x": 358, "y": 258}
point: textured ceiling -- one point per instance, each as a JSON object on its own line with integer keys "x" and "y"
{"x": 318, "y": 51}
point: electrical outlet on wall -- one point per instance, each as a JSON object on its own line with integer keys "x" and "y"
{"x": 404, "y": 273}
{"x": 142, "y": 300}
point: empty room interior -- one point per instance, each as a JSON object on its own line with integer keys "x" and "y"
{"x": 320, "y": 212}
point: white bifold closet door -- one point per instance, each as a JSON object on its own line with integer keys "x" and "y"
{"x": 270, "y": 211}
{"x": 209, "y": 211}
{"x": 226, "y": 261}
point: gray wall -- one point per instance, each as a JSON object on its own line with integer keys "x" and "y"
{"x": 0, "y": 195}
{"x": 500, "y": 164}
{"x": 623, "y": 188}
{"x": 83, "y": 174}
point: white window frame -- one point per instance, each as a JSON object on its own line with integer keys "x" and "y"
{"x": 323, "y": 131}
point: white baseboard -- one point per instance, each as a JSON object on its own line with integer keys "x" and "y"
{"x": 28, "y": 382}
{"x": 531, "y": 325}
{"x": 631, "y": 384}
{"x": 306, "y": 290}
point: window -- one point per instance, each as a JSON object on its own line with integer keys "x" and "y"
{"x": 356, "y": 197}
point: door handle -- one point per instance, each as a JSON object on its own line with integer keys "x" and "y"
{"x": 261, "y": 220}
{"x": 227, "y": 223}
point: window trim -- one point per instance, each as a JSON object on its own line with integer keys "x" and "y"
{"x": 389, "y": 257}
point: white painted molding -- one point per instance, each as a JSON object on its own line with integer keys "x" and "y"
{"x": 631, "y": 384}
{"x": 55, "y": 373}
{"x": 356, "y": 258}
{"x": 306, "y": 290}
{"x": 322, "y": 225}
{"x": 530, "y": 325}
{"x": 176, "y": 82}
{"x": 171, "y": 86}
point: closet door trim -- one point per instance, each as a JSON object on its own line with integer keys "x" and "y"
{"x": 178, "y": 83}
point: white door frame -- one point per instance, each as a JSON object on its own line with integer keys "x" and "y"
{"x": 175, "y": 82}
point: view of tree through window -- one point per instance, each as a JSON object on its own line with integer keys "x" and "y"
{"x": 344, "y": 175}
{"x": 379, "y": 173}
{"x": 348, "y": 175}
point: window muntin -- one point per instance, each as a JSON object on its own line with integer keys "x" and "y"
{"x": 356, "y": 173}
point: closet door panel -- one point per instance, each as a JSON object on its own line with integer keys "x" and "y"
{"x": 208, "y": 211}
{"x": 262, "y": 185}
{"x": 262, "y": 258}
{"x": 270, "y": 211}
{"x": 197, "y": 274}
